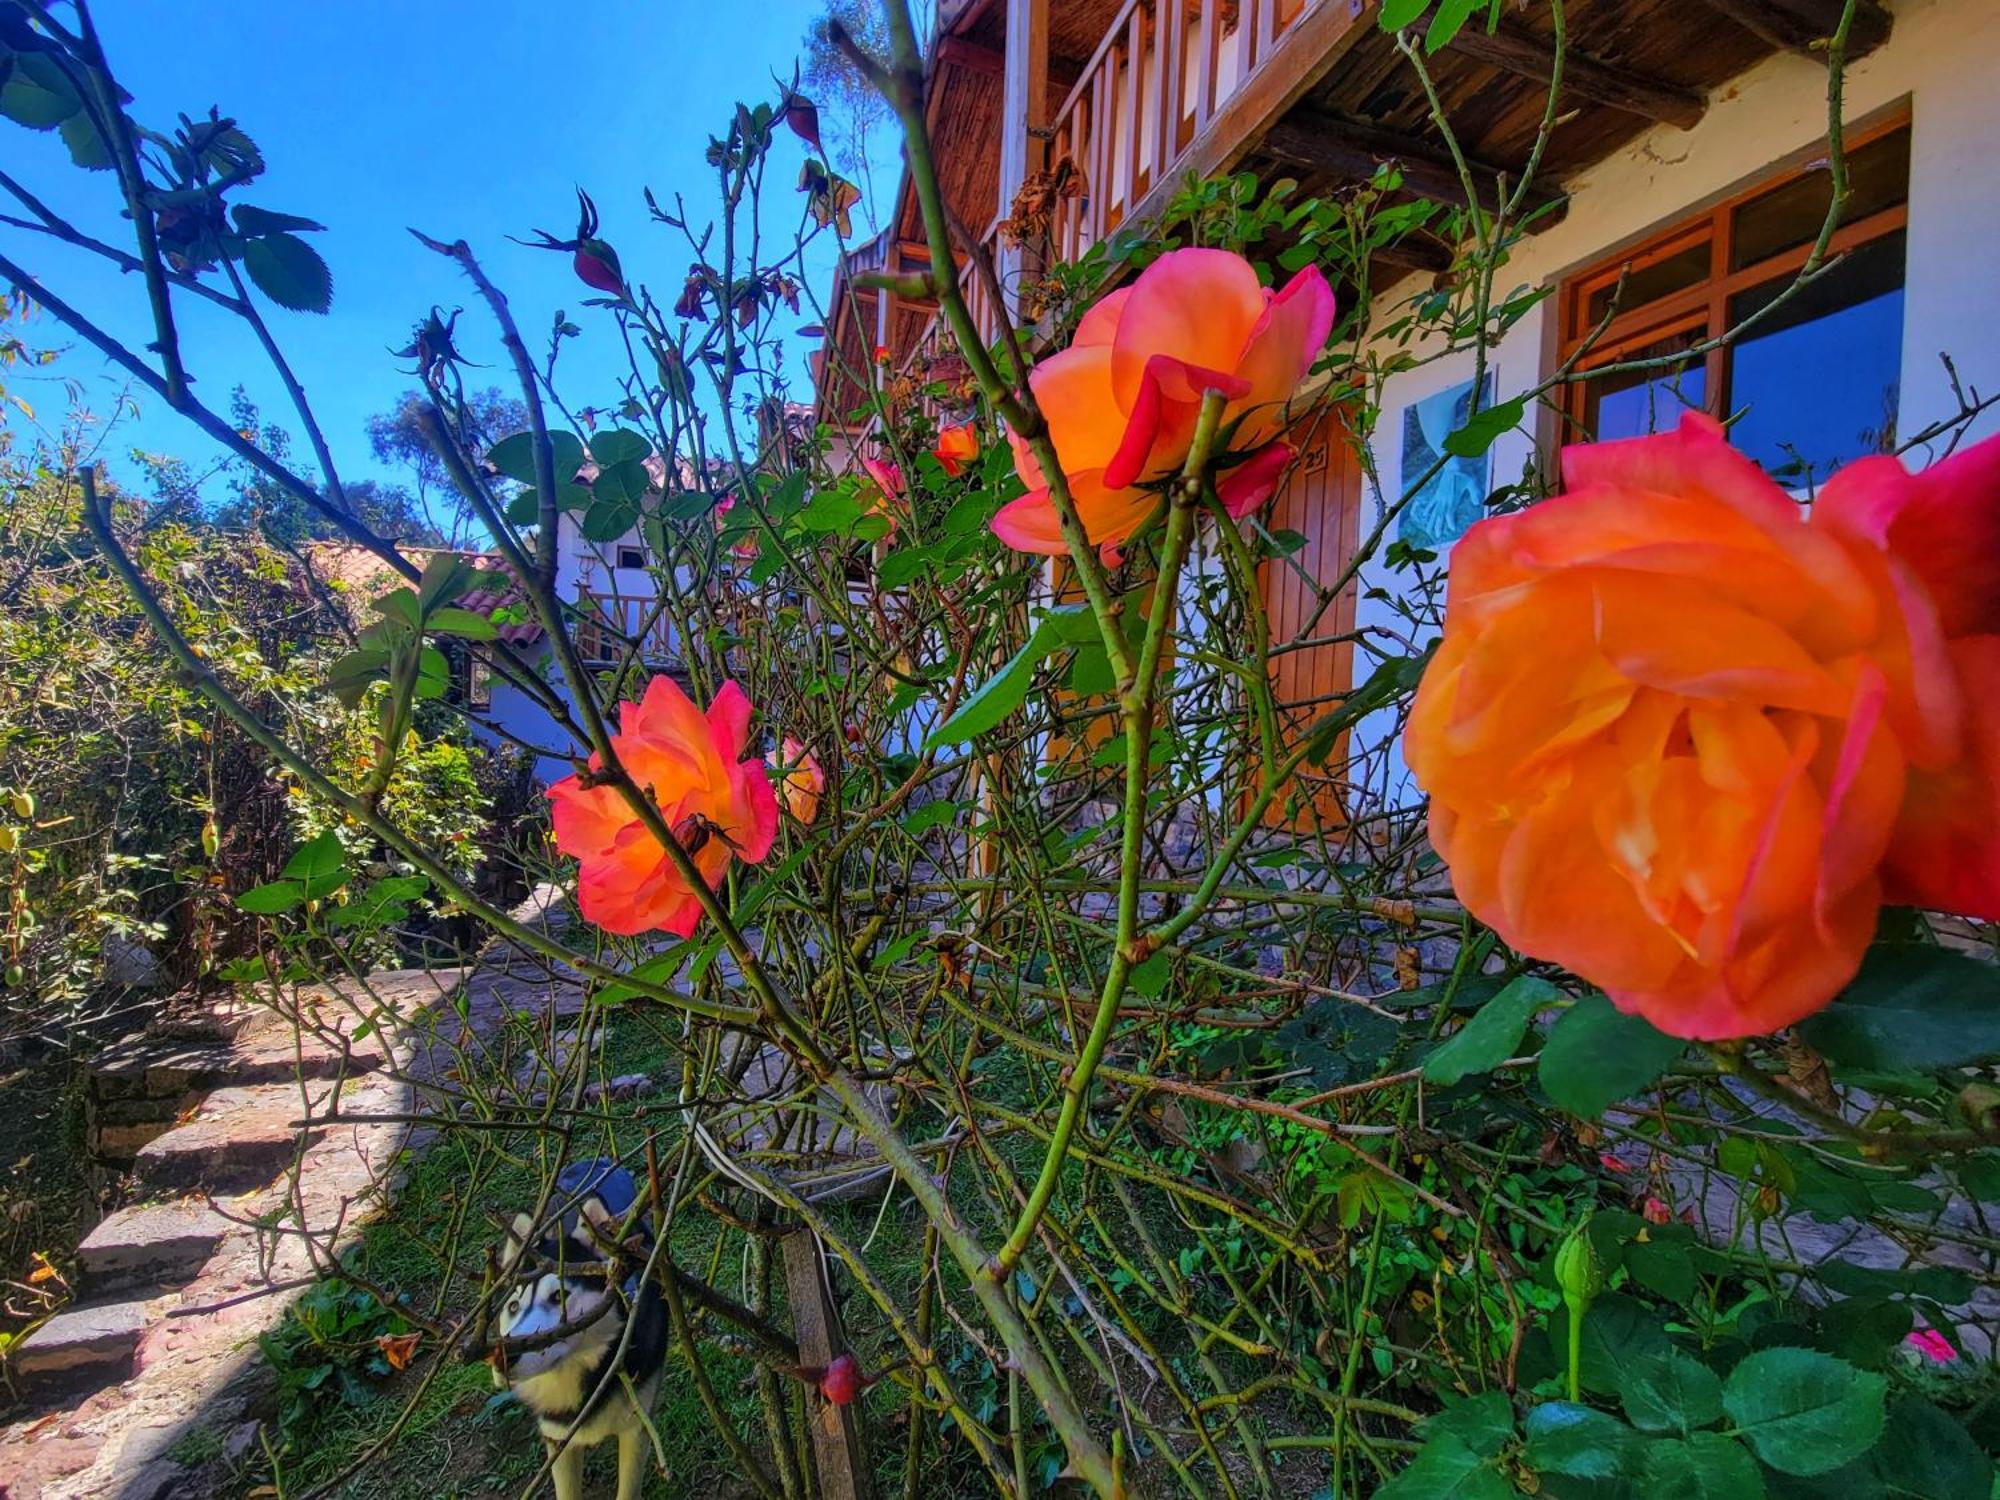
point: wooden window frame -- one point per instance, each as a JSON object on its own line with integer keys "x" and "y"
{"x": 1703, "y": 307}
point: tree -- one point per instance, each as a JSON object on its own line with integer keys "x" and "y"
{"x": 258, "y": 502}
{"x": 851, "y": 110}
{"x": 396, "y": 438}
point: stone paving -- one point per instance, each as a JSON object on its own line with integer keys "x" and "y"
{"x": 176, "y": 1285}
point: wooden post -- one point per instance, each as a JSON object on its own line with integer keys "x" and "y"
{"x": 1024, "y": 111}
{"x": 839, "y": 1453}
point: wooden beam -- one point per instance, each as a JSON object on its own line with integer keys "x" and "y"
{"x": 838, "y": 1451}
{"x": 1346, "y": 149}
{"x": 1305, "y": 54}
{"x": 970, "y": 56}
{"x": 1414, "y": 253}
{"x": 1024, "y": 114}
{"x": 1516, "y": 51}
{"x": 1795, "y": 25}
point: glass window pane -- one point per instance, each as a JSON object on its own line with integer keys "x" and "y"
{"x": 1817, "y": 384}
{"x": 1671, "y": 273}
{"x": 1636, "y": 402}
{"x": 1878, "y": 177}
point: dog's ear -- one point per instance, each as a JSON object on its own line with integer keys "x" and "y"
{"x": 518, "y": 1233}
{"x": 599, "y": 1224}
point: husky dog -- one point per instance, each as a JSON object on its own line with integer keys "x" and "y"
{"x": 571, "y": 1384}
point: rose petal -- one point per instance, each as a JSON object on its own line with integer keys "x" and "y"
{"x": 1943, "y": 522}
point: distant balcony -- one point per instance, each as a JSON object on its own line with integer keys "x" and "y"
{"x": 610, "y": 626}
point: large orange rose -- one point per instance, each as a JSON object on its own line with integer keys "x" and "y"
{"x": 718, "y": 804}
{"x": 1686, "y": 742}
{"x": 1123, "y": 400}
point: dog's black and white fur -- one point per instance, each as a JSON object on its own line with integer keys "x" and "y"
{"x": 571, "y": 1384}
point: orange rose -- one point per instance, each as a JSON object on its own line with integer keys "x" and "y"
{"x": 956, "y": 447}
{"x": 718, "y": 804}
{"x": 800, "y": 781}
{"x": 1123, "y": 400}
{"x": 1686, "y": 742}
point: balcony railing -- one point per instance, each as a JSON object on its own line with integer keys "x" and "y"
{"x": 608, "y": 625}
{"x": 1160, "y": 75}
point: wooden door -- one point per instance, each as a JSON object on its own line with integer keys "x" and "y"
{"x": 1312, "y": 664}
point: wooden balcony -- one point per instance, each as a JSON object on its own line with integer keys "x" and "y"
{"x": 1162, "y": 74}
{"x": 609, "y": 626}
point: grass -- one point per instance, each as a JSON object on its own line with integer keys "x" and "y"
{"x": 463, "y": 1438}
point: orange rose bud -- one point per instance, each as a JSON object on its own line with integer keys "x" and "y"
{"x": 800, "y": 781}
{"x": 956, "y": 447}
{"x": 1687, "y": 742}
{"x": 720, "y": 805}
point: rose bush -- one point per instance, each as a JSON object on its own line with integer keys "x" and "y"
{"x": 1686, "y": 741}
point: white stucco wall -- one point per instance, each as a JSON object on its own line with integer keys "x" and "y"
{"x": 1943, "y": 56}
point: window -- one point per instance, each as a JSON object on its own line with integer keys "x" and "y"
{"x": 1813, "y": 381}
{"x": 631, "y": 557}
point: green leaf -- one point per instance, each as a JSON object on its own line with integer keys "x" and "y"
{"x": 1804, "y": 1412}
{"x": 658, "y": 970}
{"x": 350, "y": 675}
{"x": 1706, "y": 1466}
{"x": 689, "y": 505}
{"x": 514, "y": 456}
{"x": 931, "y": 815}
{"x": 269, "y": 900}
{"x": 1618, "y": 1332}
{"x": 1671, "y": 1392}
{"x": 87, "y": 146}
{"x": 1445, "y": 1469}
{"x": 832, "y": 512}
{"x": 1566, "y": 1438}
{"x": 625, "y": 482}
{"x": 444, "y": 578}
{"x": 618, "y": 445}
{"x": 1912, "y": 1008}
{"x": 1493, "y": 1034}
{"x": 1483, "y": 1423}
{"x": 1484, "y": 429}
{"x": 1090, "y": 674}
{"x": 252, "y": 221}
{"x": 289, "y": 272}
{"x": 1391, "y": 679}
{"x": 1396, "y": 14}
{"x": 1005, "y": 690}
{"x": 1864, "y": 1331}
{"x": 1926, "y": 1455}
{"x": 1596, "y": 1056}
{"x": 319, "y": 865}
{"x": 607, "y": 520}
{"x": 38, "y": 93}
{"x": 905, "y": 565}
{"x": 400, "y": 607}
{"x": 1446, "y": 24}
{"x": 1661, "y": 1268}
{"x": 465, "y": 623}
{"x": 1940, "y": 1283}
{"x": 433, "y": 673}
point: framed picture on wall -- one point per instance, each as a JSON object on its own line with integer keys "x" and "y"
{"x": 1455, "y": 496}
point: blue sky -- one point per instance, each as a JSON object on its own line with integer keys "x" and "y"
{"x": 458, "y": 118}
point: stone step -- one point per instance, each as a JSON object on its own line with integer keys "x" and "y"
{"x": 149, "y": 1067}
{"x": 92, "y": 1344}
{"x": 241, "y": 1138}
{"x": 150, "y": 1244}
